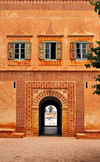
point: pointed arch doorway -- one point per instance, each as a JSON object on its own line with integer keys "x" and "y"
{"x": 50, "y": 129}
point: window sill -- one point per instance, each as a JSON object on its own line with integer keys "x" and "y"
{"x": 50, "y": 60}
{"x": 50, "y": 63}
{"x": 19, "y": 62}
{"x": 79, "y": 62}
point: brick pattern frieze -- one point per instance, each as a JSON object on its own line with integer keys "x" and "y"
{"x": 55, "y": 85}
{"x": 29, "y": 95}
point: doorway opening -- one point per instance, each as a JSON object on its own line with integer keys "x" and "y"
{"x": 50, "y": 117}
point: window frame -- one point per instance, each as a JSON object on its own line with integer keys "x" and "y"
{"x": 46, "y": 59}
{"x": 81, "y": 42}
{"x": 19, "y": 42}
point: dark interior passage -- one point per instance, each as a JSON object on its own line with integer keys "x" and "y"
{"x": 50, "y": 130}
{"x": 53, "y": 50}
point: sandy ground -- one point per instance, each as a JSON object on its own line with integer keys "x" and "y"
{"x": 49, "y": 149}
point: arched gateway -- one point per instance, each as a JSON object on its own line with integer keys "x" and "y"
{"x": 50, "y": 126}
{"x": 61, "y": 95}
{"x": 53, "y": 96}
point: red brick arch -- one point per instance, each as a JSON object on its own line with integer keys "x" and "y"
{"x": 48, "y": 93}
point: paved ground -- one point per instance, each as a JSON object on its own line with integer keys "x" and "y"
{"x": 49, "y": 149}
{"x": 50, "y": 122}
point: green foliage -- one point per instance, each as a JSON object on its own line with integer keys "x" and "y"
{"x": 97, "y": 6}
{"x": 50, "y": 109}
{"x": 97, "y": 86}
{"x": 94, "y": 54}
{"x": 94, "y": 57}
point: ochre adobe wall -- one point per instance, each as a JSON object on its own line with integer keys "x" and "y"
{"x": 35, "y": 20}
{"x": 91, "y": 107}
{"x": 7, "y": 105}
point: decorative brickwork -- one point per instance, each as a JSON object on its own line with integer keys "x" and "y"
{"x": 42, "y": 90}
{"x": 50, "y": 63}
{"x": 71, "y": 109}
{"x": 65, "y": 128}
{"x": 20, "y": 105}
{"x": 40, "y": 80}
{"x": 55, "y": 93}
{"x": 46, "y": 85}
{"x": 80, "y": 104}
{"x": 80, "y": 63}
{"x": 46, "y": 93}
{"x": 29, "y": 95}
{"x": 35, "y": 122}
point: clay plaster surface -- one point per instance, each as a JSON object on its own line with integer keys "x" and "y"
{"x": 7, "y": 104}
{"x": 92, "y": 107}
{"x": 36, "y": 22}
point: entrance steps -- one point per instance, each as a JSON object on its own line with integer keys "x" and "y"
{"x": 10, "y": 133}
{"x": 89, "y": 134}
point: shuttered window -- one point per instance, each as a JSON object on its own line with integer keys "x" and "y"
{"x": 81, "y": 50}
{"x": 41, "y": 50}
{"x": 50, "y": 50}
{"x": 73, "y": 51}
{"x": 19, "y": 51}
{"x": 89, "y": 46}
{"x": 59, "y": 50}
{"x": 10, "y": 51}
{"x": 78, "y": 50}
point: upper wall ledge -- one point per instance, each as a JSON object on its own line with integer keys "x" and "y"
{"x": 45, "y": 1}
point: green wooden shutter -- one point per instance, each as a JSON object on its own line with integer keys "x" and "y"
{"x": 41, "y": 50}
{"x": 89, "y": 46}
{"x": 27, "y": 51}
{"x": 10, "y": 51}
{"x": 59, "y": 51}
{"x": 72, "y": 50}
